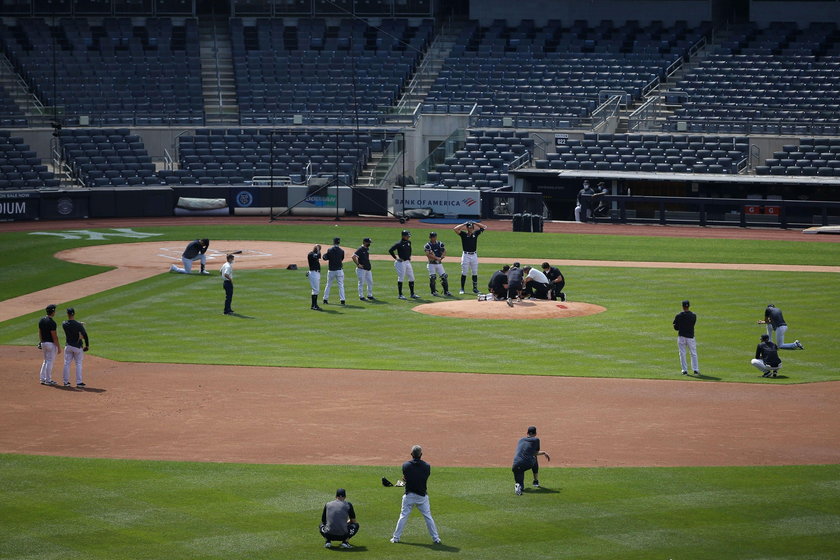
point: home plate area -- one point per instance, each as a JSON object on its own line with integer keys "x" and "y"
{"x": 525, "y": 309}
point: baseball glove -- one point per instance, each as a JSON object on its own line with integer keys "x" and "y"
{"x": 386, "y": 483}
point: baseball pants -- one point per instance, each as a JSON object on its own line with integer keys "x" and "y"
{"x": 189, "y": 262}
{"x": 469, "y": 264}
{"x": 314, "y": 281}
{"x": 336, "y": 276}
{"x": 557, "y": 289}
{"x": 352, "y": 529}
{"x": 780, "y": 337}
{"x": 73, "y": 354}
{"x": 762, "y": 366}
{"x": 365, "y": 281}
{"x": 409, "y": 502}
{"x": 404, "y": 271}
{"x": 519, "y": 471}
{"x": 537, "y": 290}
{"x": 50, "y": 352}
{"x": 690, "y": 345}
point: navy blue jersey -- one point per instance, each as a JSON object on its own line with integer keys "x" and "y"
{"x": 515, "y": 277}
{"x": 469, "y": 241}
{"x": 684, "y": 323}
{"x": 194, "y": 249}
{"x": 436, "y": 248}
{"x": 314, "y": 259}
{"x": 526, "y": 451}
{"x": 768, "y": 352}
{"x": 416, "y": 472}
{"x": 45, "y": 327}
{"x": 335, "y": 258}
{"x": 773, "y": 315}
{"x": 75, "y": 333}
{"x": 402, "y": 248}
{"x": 363, "y": 254}
{"x": 553, "y": 273}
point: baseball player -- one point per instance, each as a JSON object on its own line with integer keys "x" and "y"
{"x": 401, "y": 253}
{"x": 525, "y": 459}
{"x": 416, "y": 474}
{"x": 77, "y": 344}
{"x": 556, "y": 280}
{"x": 314, "y": 275}
{"x": 498, "y": 284}
{"x": 335, "y": 257}
{"x": 227, "y": 282}
{"x": 469, "y": 256}
{"x": 776, "y": 323}
{"x": 767, "y": 357}
{"x": 48, "y": 342}
{"x": 584, "y": 198}
{"x": 195, "y": 251}
{"x": 684, "y": 325}
{"x": 514, "y": 283}
{"x": 363, "y": 269}
{"x": 536, "y": 283}
{"x": 338, "y": 521}
{"x": 436, "y": 252}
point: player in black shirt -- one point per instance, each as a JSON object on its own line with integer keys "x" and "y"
{"x": 514, "y": 283}
{"x": 469, "y": 256}
{"x": 195, "y": 251}
{"x": 684, "y": 325}
{"x": 48, "y": 342}
{"x": 401, "y": 253}
{"x": 556, "y": 280}
{"x": 436, "y": 252}
{"x": 314, "y": 274}
{"x": 767, "y": 357}
{"x": 335, "y": 259}
{"x": 416, "y": 474}
{"x": 363, "y": 269}
{"x": 498, "y": 283}
{"x": 775, "y": 322}
{"x": 77, "y": 344}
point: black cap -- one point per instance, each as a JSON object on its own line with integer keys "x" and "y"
{"x": 516, "y": 265}
{"x": 765, "y": 337}
{"x": 470, "y": 224}
{"x": 50, "y": 308}
{"x": 532, "y": 429}
{"x": 432, "y": 234}
{"x": 341, "y": 492}
{"x": 406, "y": 232}
{"x": 71, "y": 311}
{"x": 367, "y": 240}
{"x": 336, "y": 240}
{"x": 685, "y": 303}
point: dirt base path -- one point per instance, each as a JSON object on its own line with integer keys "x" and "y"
{"x": 283, "y": 415}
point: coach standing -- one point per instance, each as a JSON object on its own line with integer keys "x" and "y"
{"x": 48, "y": 342}
{"x": 314, "y": 275}
{"x": 361, "y": 258}
{"x": 77, "y": 344}
{"x": 227, "y": 283}
{"x": 684, "y": 325}
{"x": 401, "y": 253}
{"x": 335, "y": 264}
{"x": 469, "y": 256}
{"x": 416, "y": 474}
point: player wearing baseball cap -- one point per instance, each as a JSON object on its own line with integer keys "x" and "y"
{"x": 335, "y": 273}
{"x": 338, "y": 521}
{"x": 436, "y": 252}
{"x": 684, "y": 325}
{"x": 48, "y": 342}
{"x": 401, "y": 253}
{"x": 363, "y": 269}
{"x": 767, "y": 357}
{"x": 469, "y": 256}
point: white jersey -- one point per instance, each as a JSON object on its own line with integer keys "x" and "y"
{"x": 226, "y": 271}
{"x": 537, "y": 276}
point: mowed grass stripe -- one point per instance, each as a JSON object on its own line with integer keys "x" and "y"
{"x": 93, "y": 508}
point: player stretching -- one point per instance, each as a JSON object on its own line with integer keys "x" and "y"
{"x": 469, "y": 257}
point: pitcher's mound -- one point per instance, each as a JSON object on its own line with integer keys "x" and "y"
{"x": 528, "y": 309}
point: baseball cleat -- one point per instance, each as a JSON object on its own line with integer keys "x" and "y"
{"x": 204, "y": 272}
{"x": 435, "y": 294}
{"x": 510, "y": 302}
{"x": 436, "y": 541}
{"x": 326, "y": 302}
{"x": 696, "y": 372}
{"x": 172, "y": 268}
{"x": 517, "y": 489}
{"x": 401, "y": 297}
{"x": 562, "y": 296}
{"x": 67, "y": 384}
{"x": 447, "y": 293}
{"x": 51, "y": 383}
{"x": 475, "y": 290}
{"x": 766, "y": 374}
{"x": 684, "y": 372}
{"x": 346, "y": 545}
{"x": 773, "y": 374}
{"x": 395, "y": 540}
{"x": 371, "y": 298}
{"x": 362, "y": 299}
{"x": 536, "y": 484}
{"x": 81, "y": 385}
{"x": 341, "y": 302}
{"x": 328, "y": 544}
{"x": 799, "y": 345}
{"x": 415, "y": 296}
{"x": 461, "y": 292}
{"x": 315, "y": 308}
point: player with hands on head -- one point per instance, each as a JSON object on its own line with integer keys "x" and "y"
{"x": 338, "y": 521}
{"x": 401, "y": 253}
{"x": 361, "y": 258}
{"x": 195, "y": 251}
{"x": 469, "y": 256}
{"x": 525, "y": 458}
{"x": 436, "y": 252}
{"x": 313, "y": 258}
{"x": 77, "y": 344}
{"x": 48, "y": 343}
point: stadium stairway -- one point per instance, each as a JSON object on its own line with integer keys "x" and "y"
{"x": 217, "y": 78}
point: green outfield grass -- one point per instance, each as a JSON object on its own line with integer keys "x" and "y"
{"x": 173, "y": 318}
{"x": 55, "y": 507}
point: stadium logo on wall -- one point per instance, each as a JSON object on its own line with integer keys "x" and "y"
{"x": 244, "y": 199}
{"x": 65, "y": 206}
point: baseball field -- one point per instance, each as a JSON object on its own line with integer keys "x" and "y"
{"x": 201, "y": 435}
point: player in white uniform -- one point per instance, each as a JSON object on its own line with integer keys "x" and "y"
{"x": 364, "y": 272}
{"x": 469, "y": 257}
{"x": 195, "y": 251}
{"x": 401, "y": 253}
{"x": 48, "y": 342}
{"x": 335, "y": 257}
{"x": 436, "y": 252}
{"x": 77, "y": 345}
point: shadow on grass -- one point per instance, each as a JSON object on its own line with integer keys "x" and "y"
{"x": 540, "y": 490}
{"x": 348, "y": 550}
{"x": 240, "y": 315}
{"x": 431, "y": 546}
{"x": 706, "y": 377}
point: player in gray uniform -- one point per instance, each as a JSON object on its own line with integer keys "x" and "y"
{"x": 776, "y": 323}
{"x": 363, "y": 269}
{"x": 48, "y": 342}
{"x": 436, "y": 252}
{"x": 338, "y": 521}
{"x": 525, "y": 458}
{"x": 77, "y": 344}
{"x": 313, "y": 258}
{"x": 195, "y": 251}
{"x": 514, "y": 283}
